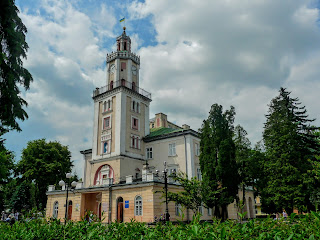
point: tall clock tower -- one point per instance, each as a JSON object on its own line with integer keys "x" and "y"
{"x": 121, "y": 113}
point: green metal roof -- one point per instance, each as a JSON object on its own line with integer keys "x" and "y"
{"x": 154, "y": 132}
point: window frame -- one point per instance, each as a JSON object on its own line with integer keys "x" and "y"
{"x": 138, "y": 206}
{"x": 197, "y": 148}
{"x": 137, "y": 125}
{"x": 178, "y": 210}
{"x": 199, "y": 174}
{"x": 55, "y": 209}
{"x": 104, "y": 122}
{"x": 149, "y": 152}
{"x": 172, "y": 150}
{"x": 135, "y": 142}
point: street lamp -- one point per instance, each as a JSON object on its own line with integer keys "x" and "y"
{"x": 63, "y": 183}
{"x": 165, "y": 171}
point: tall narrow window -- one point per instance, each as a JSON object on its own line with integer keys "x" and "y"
{"x": 199, "y": 175}
{"x": 138, "y": 107}
{"x": 109, "y": 104}
{"x": 105, "y": 106}
{"x": 123, "y": 66}
{"x": 135, "y": 123}
{"x": 149, "y": 153}
{"x": 138, "y": 206}
{"x": 197, "y": 148}
{"x": 111, "y": 85}
{"x": 106, "y": 123}
{"x": 133, "y": 105}
{"x": 172, "y": 149}
{"x": 133, "y": 86}
{"x": 123, "y": 82}
{"x": 178, "y": 209}
{"x": 55, "y": 209}
{"x": 125, "y": 46}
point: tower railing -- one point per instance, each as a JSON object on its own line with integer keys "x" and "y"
{"x": 123, "y": 54}
{"x": 121, "y": 83}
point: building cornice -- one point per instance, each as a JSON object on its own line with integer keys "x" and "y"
{"x": 171, "y": 135}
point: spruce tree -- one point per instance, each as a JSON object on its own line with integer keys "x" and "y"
{"x": 291, "y": 146}
{"x": 217, "y": 159}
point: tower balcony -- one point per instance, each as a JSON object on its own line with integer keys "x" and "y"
{"x": 123, "y": 55}
{"x": 121, "y": 83}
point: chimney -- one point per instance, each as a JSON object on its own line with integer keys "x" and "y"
{"x": 161, "y": 120}
{"x": 185, "y": 126}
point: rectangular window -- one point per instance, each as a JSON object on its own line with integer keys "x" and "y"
{"x": 199, "y": 175}
{"x": 178, "y": 209}
{"x": 123, "y": 66}
{"x": 200, "y": 210}
{"x": 135, "y": 141}
{"x": 197, "y": 148}
{"x": 106, "y": 123}
{"x": 135, "y": 123}
{"x": 172, "y": 149}
{"x": 209, "y": 211}
{"x": 149, "y": 153}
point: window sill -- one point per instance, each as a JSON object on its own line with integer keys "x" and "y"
{"x": 172, "y": 155}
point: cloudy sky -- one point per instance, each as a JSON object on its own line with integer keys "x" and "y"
{"x": 193, "y": 54}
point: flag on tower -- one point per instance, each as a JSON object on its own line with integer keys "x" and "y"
{"x": 122, "y": 19}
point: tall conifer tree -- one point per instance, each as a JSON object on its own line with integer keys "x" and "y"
{"x": 217, "y": 159}
{"x": 291, "y": 147}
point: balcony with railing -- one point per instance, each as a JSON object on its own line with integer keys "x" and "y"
{"x": 123, "y": 54}
{"x": 121, "y": 83}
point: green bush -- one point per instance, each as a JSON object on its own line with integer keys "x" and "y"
{"x": 307, "y": 227}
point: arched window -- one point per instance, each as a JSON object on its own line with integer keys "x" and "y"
{"x": 111, "y": 85}
{"x": 104, "y": 175}
{"x": 55, "y": 209}
{"x": 69, "y": 210}
{"x": 138, "y": 206}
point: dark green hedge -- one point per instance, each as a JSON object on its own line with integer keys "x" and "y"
{"x": 307, "y": 227}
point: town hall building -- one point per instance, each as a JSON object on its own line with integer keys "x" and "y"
{"x": 123, "y": 171}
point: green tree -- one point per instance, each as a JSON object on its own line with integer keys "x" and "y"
{"x": 43, "y": 164}
{"x": 12, "y": 74}
{"x": 192, "y": 194}
{"x": 242, "y": 144}
{"x": 218, "y": 160}
{"x": 6, "y": 172}
{"x": 291, "y": 146}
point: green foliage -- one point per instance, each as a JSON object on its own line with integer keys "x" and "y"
{"x": 306, "y": 227}
{"x": 44, "y": 164}
{"x": 13, "y": 47}
{"x": 218, "y": 160}
{"x": 191, "y": 197}
{"x": 291, "y": 146}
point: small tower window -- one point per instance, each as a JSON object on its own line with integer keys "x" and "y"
{"x": 118, "y": 46}
{"x": 133, "y": 86}
{"x": 133, "y": 105}
{"x": 111, "y": 85}
{"x": 138, "y": 107}
{"x": 123, "y": 82}
{"x": 109, "y": 104}
{"x": 125, "y": 46}
{"x": 105, "y": 106}
{"x": 123, "y": 66}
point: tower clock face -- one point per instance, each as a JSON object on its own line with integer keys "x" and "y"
{"x": 112, "y": 68}
{"x": 134, "y": 70}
